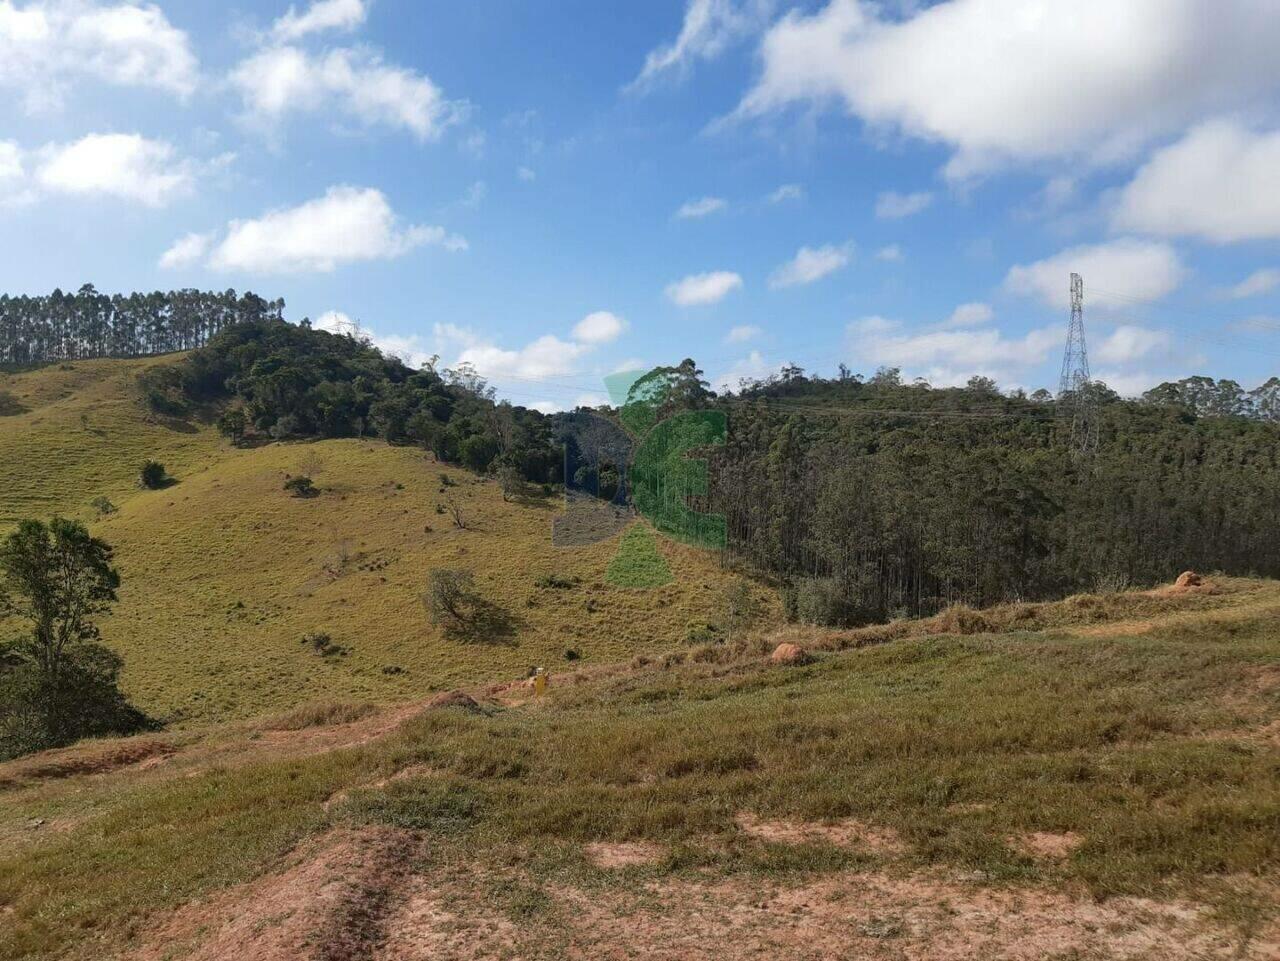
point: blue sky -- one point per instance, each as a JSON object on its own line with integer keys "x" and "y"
{"x": 552, "y": 190}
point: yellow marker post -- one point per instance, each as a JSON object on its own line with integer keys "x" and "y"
{"x": 539, "y": 683}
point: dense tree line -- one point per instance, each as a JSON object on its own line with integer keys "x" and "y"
{"x": 88, "y": 324}
{"x": 280, "y": 380}
{"x": 862, "y": 498}
{"x": 870, "y": 499}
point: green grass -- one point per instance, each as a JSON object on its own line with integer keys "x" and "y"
{"x": 955, "y": 742}
{"x": 225, "y": 572}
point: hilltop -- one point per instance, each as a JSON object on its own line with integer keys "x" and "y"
{"x": 224, "y": 572}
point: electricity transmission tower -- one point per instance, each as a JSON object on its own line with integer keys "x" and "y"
{"x": 1074, "y": 390}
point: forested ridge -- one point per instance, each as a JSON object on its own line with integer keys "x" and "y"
{"x": 863, "y": 499}
{"x": 88, "y": 324}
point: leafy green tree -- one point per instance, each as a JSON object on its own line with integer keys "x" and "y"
{"x": 233, "y": 423}
{"x": 58, "y": 684}
{"x": 153, "y": 475}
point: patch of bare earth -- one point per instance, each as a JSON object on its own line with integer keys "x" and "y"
{"x": 846, "y": 834}
{"x": 93, "y": 757}
{"x": 328, "y": 904}
{"x": 1046, "y": 845}
{"x": 850, "y": 916}
{"x": 626, "y": 854}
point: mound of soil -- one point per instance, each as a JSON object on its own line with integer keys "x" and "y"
{"x": 457, "y": 699}
{"x": 789, "y": 654}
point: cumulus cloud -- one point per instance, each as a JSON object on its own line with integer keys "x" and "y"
{"x": 1116, "y": 274}
{"x": 811, "y": 264}
{"x": 126, "y": 166}
{"x": 1129, "y": 343}
{"x": 786, "y": 192}
{"x": 949, "y": 358}
{"x": 186, "y": 251}
{"x": 697, "y": 290}
{"x": 710, "y": 27}
{"x": 283, "y": 80}
{"x": 320, "y": 16}
{"x": 970, "y": 315}
{"x": 696, "y": 209}
{"x": 986, "y": 77}
{"x": 347, "y": 225}
{"x": 411, "y": 349}
{"x": 1259, "y": 282}
{"x": 740, "y": 335}
{"x": 894, "y": 206}
{"x": 600, "y": 327}
{"x": 753, "y": 367}
{"x": 547, "y": 356}
{"x": 1220, "y": 182}
{"x": 891, "y": 254}
{"x": 46, "y": 47}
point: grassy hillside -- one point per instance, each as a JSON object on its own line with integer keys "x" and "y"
{"x": 1107, "y": 787}
{"x": 225, "y": 572}
{"x": 79, "y": 432}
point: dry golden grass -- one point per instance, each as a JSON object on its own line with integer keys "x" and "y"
{"x": 225, "y": 572}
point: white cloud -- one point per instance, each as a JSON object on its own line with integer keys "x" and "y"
{"x": 1220, "y": 182}
{"x": 547, "y": 356}
{"x": 127, "y": 166}
{"x": 989, "y": 78}
{"x": 894, "y": 206}
{"x": 950, "y": 357}
{"x": 710, "y": 27}
{"x": 410, "y": 349}
{"x": 281, "y": 80}
{"x": 1116, "y": 274}
{"x": 786, "y": 192}
{"x": 811, "y": 264}
{"x": 321, "y": 15}
{"x": 186, "y": 251}
{"x": 10, "y": 161}
{"x": 1259, "y": 282}
{"x": 970, "y": 315}
{"x": 46, "y": 46}
{"x": 891, "y": 254}
{"x": 347, "y": 225}
{"x": 1129, "y": 343}
{"x": 750, "y": 368}
{"x": 526, "y": 174}
{"x": 600, "y": 327}
{"x": 1129, "y": 383}
{"x": 699, "y": 289}
{"x": 695, "y": 209}
{"x": 740, "y": 335}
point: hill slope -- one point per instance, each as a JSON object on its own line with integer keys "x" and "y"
{"x": 225, "y": 572}
{"x": 1097, "y": 778}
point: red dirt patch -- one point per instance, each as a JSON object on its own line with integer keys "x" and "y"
{"x": 789, "y": 654}
{"x": 624, "y": 855}
{"x": 845, "y": 834}
{"x": 1047, "y": 845}
{"x": 94, "y": 757}
{"x": 327, "y": 906}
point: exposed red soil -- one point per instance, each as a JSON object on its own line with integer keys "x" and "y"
{"x": 92, "y": 757}
{"x": 846, "y": 834}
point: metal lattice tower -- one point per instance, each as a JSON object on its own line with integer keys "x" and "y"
{"x": 1074, "y": 391}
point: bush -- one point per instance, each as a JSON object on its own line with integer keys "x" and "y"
{"x": 826, "y": 602}
{"x": 153, "y": 476}
{"x": 103, "y": 506}
{"x": 454, "y": 605}
{"x": 322, "y": 644}
{"x": 301, "y": 486}
{"x": 557, "y": 582}
{"x": 233, "y": 424}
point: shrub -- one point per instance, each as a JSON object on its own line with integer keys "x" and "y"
{"x": 153, "y": 476}
{"x": 322, "y": 644}
{"x": 301, "y": 486}
{"x": 826, "y": 602}
{"x": 557, "y": 582}
{"x": 454, "y": 605}
{"x": 103, "y": 506}
{"x": 233, "y": 424}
